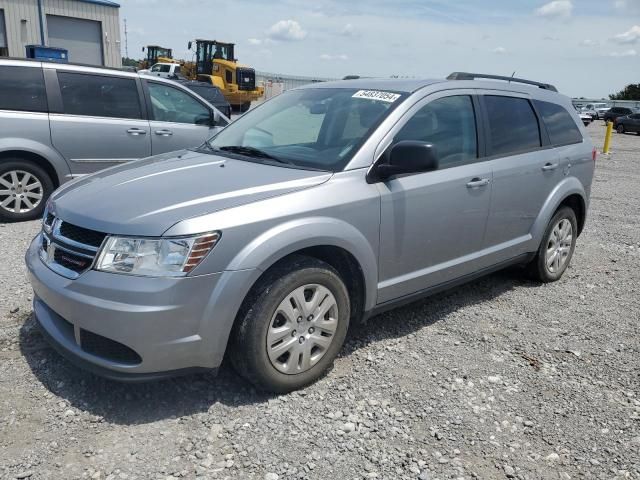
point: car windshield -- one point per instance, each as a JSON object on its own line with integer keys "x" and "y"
{"x": 317, "y": 128}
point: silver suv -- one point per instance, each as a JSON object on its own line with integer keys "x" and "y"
{"x": 323, "y": 206}
{"x": 60, "y": 121}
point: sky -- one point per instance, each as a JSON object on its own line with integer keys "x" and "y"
{"x": 587, "y": 48}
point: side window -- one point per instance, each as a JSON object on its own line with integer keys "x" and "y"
{"x": 4, "y": 51}
{"x": 177, "y": 70}
{"x": 229, "y": 76}
{"x": 99, "y": 95}
{"x": 22, "y": 88}
{"x": 449, "y": 124}
{"x": 560, "y": 125}
{"x": 513, "y": 125}
{"x": 156, "y": 68}
{"x": 170, "y": 104}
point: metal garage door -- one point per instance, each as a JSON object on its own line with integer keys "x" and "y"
{"x": 83, "y": 38}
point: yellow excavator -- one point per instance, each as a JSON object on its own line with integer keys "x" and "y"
{"x": 215, "y": 64}
{"x": 156, "y": 54}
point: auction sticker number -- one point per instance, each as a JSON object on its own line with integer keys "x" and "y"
{"x": 377, "y": 95}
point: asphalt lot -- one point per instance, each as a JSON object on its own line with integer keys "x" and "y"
{"x": 502, "y": 378}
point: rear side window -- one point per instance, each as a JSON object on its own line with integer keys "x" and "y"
{"x": 99, "y": 95}
{"x": 22, "y": 88}
{"x": 513, "y": 125}
{"x": 560, "y": 126}
{"x": 449, "y": 124}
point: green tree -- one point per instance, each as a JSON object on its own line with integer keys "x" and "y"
{"x": 129, "y": 62}
{"x": 630, "y": 92}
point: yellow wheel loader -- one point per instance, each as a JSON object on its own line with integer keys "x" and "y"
{"x": 156, "y": 54}
{"x": 215, "y": 64}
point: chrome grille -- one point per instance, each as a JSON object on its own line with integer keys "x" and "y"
{"x": 67, "y": 249}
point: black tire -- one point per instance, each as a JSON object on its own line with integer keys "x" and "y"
{"x": 538, "y": 269}
{"x": 17, "y": 164}
{"x": 245, "y": 107}
{"x": 620, "y": 128}
{"x": 248, "y": 342}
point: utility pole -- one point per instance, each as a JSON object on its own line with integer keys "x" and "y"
{"x": 126, "y": 40}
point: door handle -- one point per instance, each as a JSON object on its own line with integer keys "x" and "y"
{"x": 136, "y": 131}
{"x": 478, "y": 182}
{"x": 549, "y": 166}
{"x": 164, "y": 132}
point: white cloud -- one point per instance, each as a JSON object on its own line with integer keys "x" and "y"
{"x": 587, "y": 42}
{"x": 286, "y": 30}
{"x": 499, "y": 50}
{"x": 626, "y": 53}
{"x": 349, "y": 31}
{"x": 630, "y": 36}
{"x": 254, "y": 41}
{"x": 557, "y": 8}
{"x": 326, "y": 56}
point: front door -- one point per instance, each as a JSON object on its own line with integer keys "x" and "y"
{"x": 433, "y": 223}
{"x": 100, "y": 122}
{"x": 178, "y": 120}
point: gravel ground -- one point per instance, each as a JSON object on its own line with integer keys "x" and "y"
{"x": 502, "y": 378}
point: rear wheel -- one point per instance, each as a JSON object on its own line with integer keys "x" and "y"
{"x": 245, "y": 107}
{"x": 24, "y": 190}
{"x": 292, "y": 326}
{"x": 557, "y": 247}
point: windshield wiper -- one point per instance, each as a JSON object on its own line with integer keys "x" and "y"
{"x": 253, "y": 152}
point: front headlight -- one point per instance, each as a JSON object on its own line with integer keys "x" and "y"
{"x": 155, "y": 256}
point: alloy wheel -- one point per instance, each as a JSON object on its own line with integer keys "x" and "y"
{"x": 20, "y": 191}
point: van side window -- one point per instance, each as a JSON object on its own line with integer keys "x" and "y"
{"x": 561, "y": 127}
{"x": 449, "y": 124}
{"x": 22, "y": 88}
{"x": 513, "y": 125}
{"x": 170, "y": 104}
{"x": 99, "y": 95}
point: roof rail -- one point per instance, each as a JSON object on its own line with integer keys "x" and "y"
{"x": 473, "y": 76}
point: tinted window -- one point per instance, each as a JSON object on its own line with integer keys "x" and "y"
{"x": 170, "y": 104}
{"x": 449, "y": 124}
{"x": 513, "y": 126}
{"x": 99, "y": 96}
{"x": 22, "y": 88}
{"x": 560, "y": 126}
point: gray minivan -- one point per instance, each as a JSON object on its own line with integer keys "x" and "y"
{"x": 322, "y": 206}
{"x": 60, "y": 121}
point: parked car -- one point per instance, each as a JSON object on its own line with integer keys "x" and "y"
{"x": 60, "y": 121}
{"x": 628, "y": 123}
{"x": 162, "y": 70}
{"x": 596, "y": 110}
{"x": 615, "y": 112}
{"x": 584, "y": 117}
{"x": 324, "y": 205}
{"x": 210, "y": 93}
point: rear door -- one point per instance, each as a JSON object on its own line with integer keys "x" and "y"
{"x": 178, "y": 119}
{"x": 97, "y": 120}
{"x": 526, "y": 165}
{"x": 633, "y": 124}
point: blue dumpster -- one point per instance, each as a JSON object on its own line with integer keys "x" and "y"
{"x": 52, "y": 54}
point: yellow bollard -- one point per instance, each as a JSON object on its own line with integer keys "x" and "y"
{"x": 607, "y": 138}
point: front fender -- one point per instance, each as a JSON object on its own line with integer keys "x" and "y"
{"x": 569, "y": 186}
{"x": 286, "y": 238}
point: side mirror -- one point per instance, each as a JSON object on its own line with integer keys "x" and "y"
{"x": 143, "y": 49}
{"x": 189, "y": 45}
{"x": 408, "y": 156}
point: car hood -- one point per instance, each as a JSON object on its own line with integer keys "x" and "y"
{"x": 148, "y": 196}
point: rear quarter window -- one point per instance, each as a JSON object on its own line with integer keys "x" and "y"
{"x": 561, "y": 127}
{"x": 22, "y": 89}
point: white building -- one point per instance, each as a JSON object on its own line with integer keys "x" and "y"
{"x": 88, "y": 29}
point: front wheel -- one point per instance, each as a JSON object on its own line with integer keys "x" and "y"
{"x": 291, "y": 326}
{"x": 557, "y": 247}
{"x": 620, "y": 128}
{"x": 24, "y": 189}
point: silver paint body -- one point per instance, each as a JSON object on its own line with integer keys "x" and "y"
{"x": 75, "y": 145}
{"x": 408, "y": 234}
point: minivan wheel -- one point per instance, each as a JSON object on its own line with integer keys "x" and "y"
{"x": 24, "y": 190}
{"x": 557, "y": 247}
{"x": 292, "y": 326}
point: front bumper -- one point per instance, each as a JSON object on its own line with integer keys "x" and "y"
{"x": 130, "y": 327}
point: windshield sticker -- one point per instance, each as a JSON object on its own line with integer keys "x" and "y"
{"x": 377, "y": 95}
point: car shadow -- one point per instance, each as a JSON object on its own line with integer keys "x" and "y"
{"x": 140, "y": 403}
